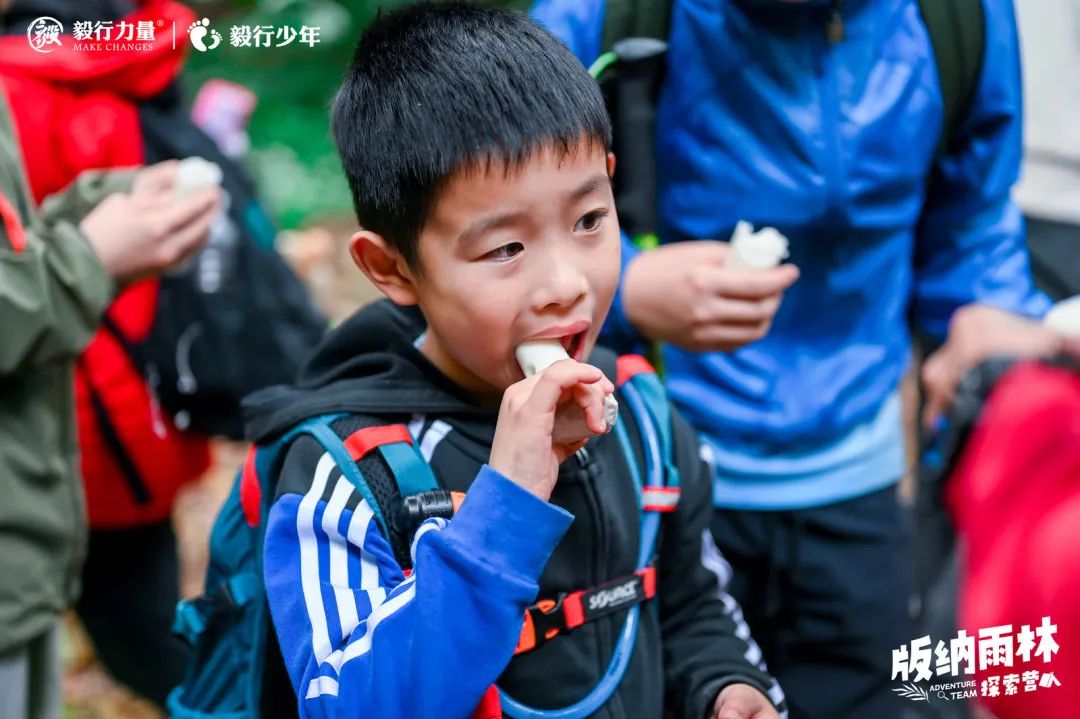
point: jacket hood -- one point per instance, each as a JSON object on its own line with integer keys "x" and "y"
{"x": 370, "y": 365}
{"x": 367, "y": 365}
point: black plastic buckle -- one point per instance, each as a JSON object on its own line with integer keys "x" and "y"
{"x": 545, "y": 621}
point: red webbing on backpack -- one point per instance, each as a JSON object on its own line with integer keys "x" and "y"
{"x": 362, "y": 441}
{"x": 250, "y": 491}
{"x": 626, "y": 366}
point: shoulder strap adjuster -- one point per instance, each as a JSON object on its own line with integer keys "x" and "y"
{"x": 232, "y": 594}
{"x": 660, "y": 499}
{"x": 549, "y": 618}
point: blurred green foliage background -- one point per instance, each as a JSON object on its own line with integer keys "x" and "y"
{"x": 292, "y": 157}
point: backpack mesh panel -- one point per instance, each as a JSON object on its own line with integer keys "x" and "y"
{"x": 381, "y": 482}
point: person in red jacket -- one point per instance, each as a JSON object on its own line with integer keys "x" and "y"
{"x": 1014, "y": 495}
{"x": 76, "y": 110}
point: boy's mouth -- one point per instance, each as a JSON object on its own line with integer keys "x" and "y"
{"x": 574, "y": 345}
{"x": 571, "y": 337}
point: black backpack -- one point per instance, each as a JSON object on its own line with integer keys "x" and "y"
{"x": 233, "y": 320}
{"x": 632, "y": 70}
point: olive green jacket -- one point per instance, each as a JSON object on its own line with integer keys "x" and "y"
{"x": 52, "y": 293}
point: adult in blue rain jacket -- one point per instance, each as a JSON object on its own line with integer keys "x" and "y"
{"x": 830, "y": 134}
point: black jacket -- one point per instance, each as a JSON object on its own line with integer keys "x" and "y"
{"x": 687, "y": 648}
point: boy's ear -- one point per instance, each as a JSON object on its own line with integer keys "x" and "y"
{"x": 384, "y": 266}
{"x": 611, "y": 164}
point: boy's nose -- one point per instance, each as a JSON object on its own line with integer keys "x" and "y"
{"x": 562, "y": 285}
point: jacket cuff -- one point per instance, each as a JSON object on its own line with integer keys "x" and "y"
{"x": 97, "y": 286}
{"x": 85, "y": 193}
{"x": 508, "y": 527}
{"x": 709, "y": 693}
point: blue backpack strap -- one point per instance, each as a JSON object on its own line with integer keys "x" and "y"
{"x": 261, "y": 464}
{"x": 407, "y": 467}
{"x": 333, "y": 444}
{"x": 393, "y": 442}
{"x": 646, "y": 399}
{"x": 411, "y": 471}
{"x": 645, "y": 395}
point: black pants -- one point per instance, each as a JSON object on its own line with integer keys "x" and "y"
{"x": 826, "y": 592}
{"x": 131, "y": 583}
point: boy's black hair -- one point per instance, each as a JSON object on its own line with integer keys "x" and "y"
{"x": 438, "y": 87}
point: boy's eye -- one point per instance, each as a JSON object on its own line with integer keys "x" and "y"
{"x": 591, "y": 221}
{"x": 506, "y": 252}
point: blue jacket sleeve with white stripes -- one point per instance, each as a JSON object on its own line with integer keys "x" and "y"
{"x": 442, "y": 635}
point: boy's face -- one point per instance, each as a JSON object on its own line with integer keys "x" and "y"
{"x": 507, "y": 257}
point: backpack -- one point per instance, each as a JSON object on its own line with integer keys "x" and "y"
{"x": 631, "y": 70}
{"x": 237, "y": 671}
{"x": 236, "y": 318}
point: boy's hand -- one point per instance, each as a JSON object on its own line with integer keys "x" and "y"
{"x": 685, "y": 294}
{"x": 523, "y": 449}
{"x": 742, "y": 701}
{"x": 146, "y": 232}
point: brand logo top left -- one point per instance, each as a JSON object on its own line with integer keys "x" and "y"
{"x": 44, "y": 33}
